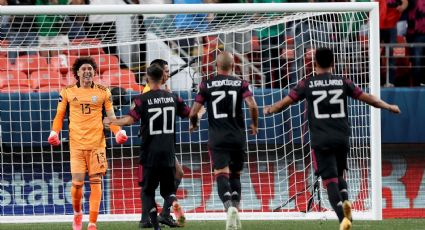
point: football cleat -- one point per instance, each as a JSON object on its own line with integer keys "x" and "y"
{"x": 238, "y": 221}
{"x": 346, "y": 208}
{"x": 345, "y": 224}
{"x": 77, "y": 224}
{"x": 232, "y": 216}
{"x": 167, "y": 220}
{"x": 147, "y": 224}
{"x": 178, "y": 212}
{"x": 91, "y": 226}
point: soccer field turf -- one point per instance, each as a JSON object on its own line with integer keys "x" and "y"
{"x": 396, "y": 224}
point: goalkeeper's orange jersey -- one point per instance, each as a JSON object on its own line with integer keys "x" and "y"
{"x": 85, "y": 114}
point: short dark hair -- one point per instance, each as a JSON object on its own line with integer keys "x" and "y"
{"x": 324, "y": 57}
{"x": 81, "y": 61}
{"x": 160, "y": 62}
{"x": 155, "y": 72}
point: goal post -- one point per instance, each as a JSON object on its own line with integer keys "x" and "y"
{"x": 273, "y": 45}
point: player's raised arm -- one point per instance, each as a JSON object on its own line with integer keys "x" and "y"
{"x": 197, "y": 109}
{"x": 296, "y": 94}
{"x": 378, "y": 103}
{"x": 193, "y": 116}
{"x": 278, "y": 106}
{"x": 120, "y": 134}
{"x": 122, "y": 121}
{"x": 133, "y": 115}
{"x": 253, "y": 111}
{"x": 58, "y": 120}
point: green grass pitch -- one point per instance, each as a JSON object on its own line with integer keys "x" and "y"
{"x": 395, "y": 224}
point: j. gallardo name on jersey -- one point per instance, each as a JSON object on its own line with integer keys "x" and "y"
{"x": 325, "y": 82}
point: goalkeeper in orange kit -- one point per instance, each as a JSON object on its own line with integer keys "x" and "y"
{"x": 85, "y": 103}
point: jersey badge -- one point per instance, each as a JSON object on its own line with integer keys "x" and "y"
{"x": 94, "y": 99}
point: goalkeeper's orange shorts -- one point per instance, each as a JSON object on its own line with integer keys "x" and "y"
{"x": 94, "y": 161}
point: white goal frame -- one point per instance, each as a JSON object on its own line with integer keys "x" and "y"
{"x": 374, "y": 76}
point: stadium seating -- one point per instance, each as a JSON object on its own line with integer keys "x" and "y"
{"x": 14, "y": 81}
{"x": 62, "y": 63}
{"x": 13, "y": 75}
{"x": 255, "y": 43}
{"x": 44, "y": 80}
{"x": 118, "y": 77}
{"x": 89, "y": 50}
{"x": 4, "y": 63}
{"x": 30, "y": 63}
{"x": 3, "y": 44}
{"x": 123, "y": 78}
{"x": 288, "y": 52}
{"x": 106, "y": 62}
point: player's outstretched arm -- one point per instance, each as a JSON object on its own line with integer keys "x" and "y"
{"x": 193, "y": 116}
{"x": 120, "y": 134}
{"x": 378, "y": 103}
{"x": 253, "y": 111}
{"x": 56, "y": 128}
{"x": 278, "y": 106}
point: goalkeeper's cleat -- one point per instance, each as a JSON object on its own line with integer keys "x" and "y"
{"x": 178, "y": 212}
{"x": 54, "y": 138}
{"x": 167, "y": 220}
{"x": 232, "y": 216}
{"x": 346, "y": 208}
{"x": 345, "y": 224}
{"x": 121, "y": 137}
{"x": 77, "y": 224}
{"x": 91, "y": 226}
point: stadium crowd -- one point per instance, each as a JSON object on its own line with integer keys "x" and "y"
{"x": 402, "y": 33}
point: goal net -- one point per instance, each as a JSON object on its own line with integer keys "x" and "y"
{"x": 273, "y": 45}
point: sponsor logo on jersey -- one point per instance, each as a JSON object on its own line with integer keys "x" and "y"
{"x": 75, "y": 99}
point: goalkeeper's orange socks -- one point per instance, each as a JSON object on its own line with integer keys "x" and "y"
{"x": 95, "y": 198}
{"x": 77, "y": 195}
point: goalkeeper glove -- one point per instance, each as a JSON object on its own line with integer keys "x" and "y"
{"x": 54, "y": 138}
{"x": 121, "y": 137}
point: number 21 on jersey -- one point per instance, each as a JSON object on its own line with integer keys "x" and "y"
{"x": 220, "y": 96}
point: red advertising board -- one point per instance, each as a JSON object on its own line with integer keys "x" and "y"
{"x": 403, "y": 186}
